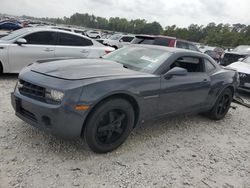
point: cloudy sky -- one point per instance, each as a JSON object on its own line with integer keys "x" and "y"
{"x": 167, "y": 12}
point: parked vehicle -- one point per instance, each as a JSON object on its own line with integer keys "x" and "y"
{"x": 118, "y": 40}
{"x": 164, "y": 41}
{"x": 10, "y": 26}
{"x": 94, "y": 34}
{"x": 216, "y": 53}
{"x": 103, "y": 100}
{"x": 243, "y": 68}
{"x": 74, "y": 30}
{"x": 4, "y": 33}
{"x": 234, "y": 55}
{"x": 25, "y": 46}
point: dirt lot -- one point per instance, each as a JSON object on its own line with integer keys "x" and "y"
{"x": 187, "y": 151}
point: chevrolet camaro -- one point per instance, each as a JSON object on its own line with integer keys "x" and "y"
{"x": 103, "y": 100}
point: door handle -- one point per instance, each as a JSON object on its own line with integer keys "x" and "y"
{"x": 48, "y": 50}
{"x": 84, "y": 51}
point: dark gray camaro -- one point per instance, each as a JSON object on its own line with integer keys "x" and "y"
{"x": 102, "y": 100}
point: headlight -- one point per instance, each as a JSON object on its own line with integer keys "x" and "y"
{"x": 54, "y": 95}
{"x": 18, "y": 85}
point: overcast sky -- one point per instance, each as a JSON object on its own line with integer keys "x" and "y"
{"x": 167, "y": 12}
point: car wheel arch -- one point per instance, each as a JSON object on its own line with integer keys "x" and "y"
{"x": 125, "y": 96}
{"x": 223, "y": 89}
{"x": 1, "y": 67}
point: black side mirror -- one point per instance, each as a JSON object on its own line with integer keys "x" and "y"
{"x": 176, "y": 71}
{"x": 21, "y": 41}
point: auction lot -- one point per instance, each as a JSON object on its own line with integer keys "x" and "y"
{"x": 185, "y": 151}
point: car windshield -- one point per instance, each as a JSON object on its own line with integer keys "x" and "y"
{"x": 15, "y": 34}
{"x": 115, "y": 37}
{"x": 141, "y": 59}
{"x": 247, "y": 60}
{"x": 242, "y": 49}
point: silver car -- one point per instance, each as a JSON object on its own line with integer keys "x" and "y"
{"x": 26, "y": 46}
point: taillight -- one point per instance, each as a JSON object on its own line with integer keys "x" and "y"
{"x": 107, "y": 51}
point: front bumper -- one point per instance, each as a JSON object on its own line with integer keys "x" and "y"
{"x": 61, "y": 120}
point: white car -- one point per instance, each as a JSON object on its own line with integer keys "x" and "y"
{"x": 26, "y": 46}
{"x": 118, "y": 40}
{"x": 243, "y": 68}
{"x": 94, "y": 34}
{"x": 74, "y": 30}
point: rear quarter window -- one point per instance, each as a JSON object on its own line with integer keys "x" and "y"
{"x": 209, "y": 67}
{"x": 162, "y": 41}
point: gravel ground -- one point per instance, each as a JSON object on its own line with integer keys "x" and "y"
{"x": 186, "y": 151}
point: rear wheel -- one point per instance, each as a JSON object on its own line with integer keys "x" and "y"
{"x": 222, "y": 105}
{"x": 1, "y": 68}
{"x": 109, "y": 125}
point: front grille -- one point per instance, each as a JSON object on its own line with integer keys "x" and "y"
{"x": 31, "y": 90}
{"x": 244, "y": 78}
{"x": 231, "y": 58}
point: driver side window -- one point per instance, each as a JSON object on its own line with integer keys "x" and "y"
{"x": 191, "y": 64}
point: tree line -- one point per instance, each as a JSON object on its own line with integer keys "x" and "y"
{"x": 223, "y": 35}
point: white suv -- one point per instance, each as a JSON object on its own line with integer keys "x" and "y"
{"x": 118, "y": 40}
{"x": 94, "y": 34}
{"x": 26, "y": 46}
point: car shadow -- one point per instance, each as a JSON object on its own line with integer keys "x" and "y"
{"x": 8, "y": 76}
{"x": 163, "y": 127}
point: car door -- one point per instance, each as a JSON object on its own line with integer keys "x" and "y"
{"x": 40, "y": 45}
{"x": 185, "y": 93}
{"x": 70, "y": 45}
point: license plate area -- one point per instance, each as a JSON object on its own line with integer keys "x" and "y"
{"x": 247, "y": 85}
{"x": 23, "y": 111}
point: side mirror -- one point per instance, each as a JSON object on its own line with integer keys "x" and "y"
{"x": 176, "y": 71}
{"x": 21, "y": 41}
{"x": 240, "y": 59}
{"x": 120, "y": 40}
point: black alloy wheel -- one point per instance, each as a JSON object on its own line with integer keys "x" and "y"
{"x": 222, "y": 105}
{"x": 109, "y": 125}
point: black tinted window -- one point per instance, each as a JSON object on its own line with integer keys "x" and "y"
{"x": 209, "y": 66}
{"x": 127, "y": 39}
{"x": 181, "y": 44}
{"x": 65, "y": 39}
{"x": 42, "y": 38}
{"x": 142, "y": 40}
{"x": 192, "y": 64}
{"x": 162, "y": 41}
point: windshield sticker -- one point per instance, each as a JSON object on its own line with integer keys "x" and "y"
{"x": 149, "y": 59}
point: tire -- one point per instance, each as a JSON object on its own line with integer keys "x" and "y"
{"x": 115, "y": 47}
{"x": 109, "y": 125}
{"x": 221, "y": 106}
{"x": 1, "y": 68}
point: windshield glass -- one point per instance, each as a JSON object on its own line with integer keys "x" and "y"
{"x": 242, "y": 49}
{"x": 139, "y": 58}
{"x": 15, "y": 34}
{"x": 247, "y": 60}
{"x": 115, "y": 37}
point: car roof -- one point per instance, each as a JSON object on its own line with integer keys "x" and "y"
{"x": 32, "y": 29}
{"x": 164, "y": 36}
{"x": 156, "y": 36}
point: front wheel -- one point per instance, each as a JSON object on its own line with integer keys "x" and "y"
{"x": 109, "y": 125}
{"x": 222, "y": 105}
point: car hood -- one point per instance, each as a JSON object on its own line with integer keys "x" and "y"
{"x": 237, "y": 53}
{"x": 76, "y": 69}
{"x": 241, "y": 67}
